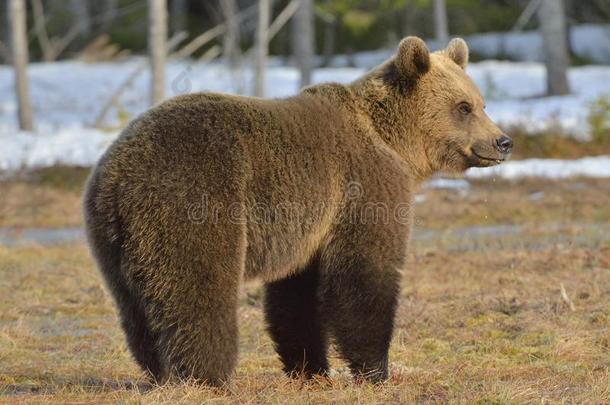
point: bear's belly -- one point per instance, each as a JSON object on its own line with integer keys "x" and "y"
{"x": 279, "y": 245}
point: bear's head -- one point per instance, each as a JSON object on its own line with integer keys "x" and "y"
{"x": 430, "y": 112}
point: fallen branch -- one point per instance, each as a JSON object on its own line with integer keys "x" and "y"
{"x": 40, "y": 29}
{"x": 526, "y": 15}
{"x": 283, "y": 18}
{"x": 279, "y": 22}
{"x": 171, "y": 45}
{"x": 51, "y": 47}
{"x": 211, "y": 34}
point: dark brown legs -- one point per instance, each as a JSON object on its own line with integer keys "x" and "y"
{"x": 293, "y": 315}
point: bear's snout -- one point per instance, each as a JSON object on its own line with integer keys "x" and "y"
{"x": 504, "y": 144}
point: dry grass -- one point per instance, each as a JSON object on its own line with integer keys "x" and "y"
{"x": 555, "y": 144}
{"x": 532, "y": 202}
{"x": 44, "y": 198}
{"x": 34, "y": 205}
{"x": 473, "y": 326}
{"x": 481, "y": 320}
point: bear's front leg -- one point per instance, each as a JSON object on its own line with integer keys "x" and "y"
{"x": 360, "y": 284}
{"x": 359, "y": 299}
{"x": 293, "y": 317}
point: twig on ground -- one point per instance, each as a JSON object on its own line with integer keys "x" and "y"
{"x": 566, "y": 299}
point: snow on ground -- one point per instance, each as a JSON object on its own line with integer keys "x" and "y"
{"x": 74, "y": 146}
{"x": 598, "y": 166}
{"x": 68, "y": 96}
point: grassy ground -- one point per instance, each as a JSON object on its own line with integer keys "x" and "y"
{"x": 515, "y": 318}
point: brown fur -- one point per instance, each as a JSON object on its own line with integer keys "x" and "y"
{"x": 206, "y": 190}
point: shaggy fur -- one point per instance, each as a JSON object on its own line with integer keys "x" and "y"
{"x": 311, "y": 194}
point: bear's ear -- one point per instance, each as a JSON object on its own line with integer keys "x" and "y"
{"x": 457, "y": 51}
{"x": 412, "y": 58}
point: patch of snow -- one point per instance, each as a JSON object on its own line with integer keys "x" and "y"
{"x": 597, "y": 167}
{"x": 66, "y": 146}
{"x": 420, "y": 198}
{"x": 452, "y": 184}
{"x": 536, "y": 196}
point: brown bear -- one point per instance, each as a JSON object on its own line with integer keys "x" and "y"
{"x": 311, "y": 194}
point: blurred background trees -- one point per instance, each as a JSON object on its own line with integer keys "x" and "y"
{"x": 341, "y": 26}
{"x": 306, "y": 33}
{"x": 554, "y": 35}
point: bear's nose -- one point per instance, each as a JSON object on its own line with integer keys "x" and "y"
{"x": 504, "y": 144}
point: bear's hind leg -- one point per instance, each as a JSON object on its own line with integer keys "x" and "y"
{"x": 292, "y": 314}
{"x": 140, "y": 339}
{"x": 192, "y": 297}
{"x": 111, "y": 262}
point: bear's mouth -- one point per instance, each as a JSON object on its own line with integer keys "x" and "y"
{"x": 496, "y": 160}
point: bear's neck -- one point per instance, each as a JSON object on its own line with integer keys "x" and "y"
{"x": 407, "y": 141}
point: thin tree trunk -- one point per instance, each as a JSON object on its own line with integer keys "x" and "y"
{"x": 80, "y": 8}
{"x": 553, "y": 30}
{"x": 410, "y": 19}
{"x": 4, "y": 53}
{"x": 17, "y": 19}
{"x": 40, "y": 28}
{"x": 4, "y": 33}
{"x": 109, "y": 13}
{"x": 230, "y": 43}
{"x": 157, "y": 47}
{"x": 330, "y": 35}
{"x": 441, "y": 27}
{"x": 262, "y": 46}
{"x": 303, "y": 37}
{"x": 179, "y": 12}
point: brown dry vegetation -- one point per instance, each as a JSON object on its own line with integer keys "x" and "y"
{"x": 482, "y": 318}
{"x": 555, "y": 144}
{"x": 45, "y": 198}
{"x": 530, "y": 201}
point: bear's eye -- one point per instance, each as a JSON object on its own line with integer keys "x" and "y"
{"x": 465, "y": 108}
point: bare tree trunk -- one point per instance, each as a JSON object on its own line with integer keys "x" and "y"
{"x": 441, "y": 27}
{"x": 410, "y": 19}
{"x": 303, "y": 37}
{"x": 109, "y": 13}
{"x": 230, "y": 43}
{"x": 80, "y": 8}
{"x": 553, "y": 30}
{"x": 19, "y": 47}
{"x": 330, "y": 34}
{"x": 157, "y": 47}
{"x": 51, "y": 47}
{"x": 179, "y": 12}
{"x": 262, "y": 46}
{"x": 40, "y": 28}
{"x": 4, "y": 33}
